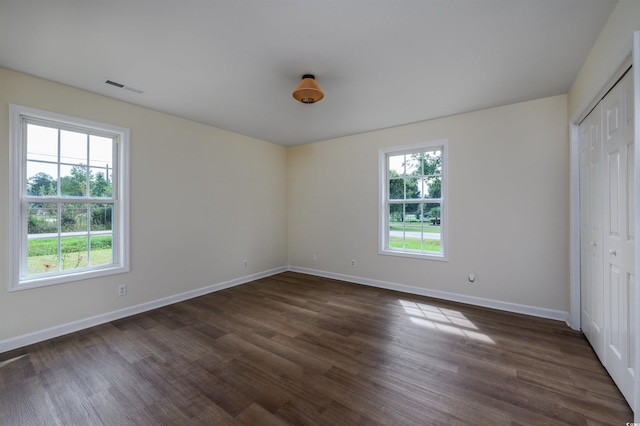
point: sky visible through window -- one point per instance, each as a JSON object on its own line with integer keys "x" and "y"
{"x": 72, "y": 150}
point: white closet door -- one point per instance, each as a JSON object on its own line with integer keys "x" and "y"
{"x": 619, "y": 233}
{"x": 591, "y": 260}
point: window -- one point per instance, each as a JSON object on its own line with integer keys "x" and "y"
{"x": 413, "y": 194}
{"x": 69, "y": 198}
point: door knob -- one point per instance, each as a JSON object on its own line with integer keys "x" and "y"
{"x": 593, "y": 243}
{"x": 612, "y": 252}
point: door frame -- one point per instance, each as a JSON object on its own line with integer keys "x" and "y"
{"x": 630, "y": 55}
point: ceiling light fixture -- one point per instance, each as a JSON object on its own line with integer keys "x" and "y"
{"x": 308, "y": 91}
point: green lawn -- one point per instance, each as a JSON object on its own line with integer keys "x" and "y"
{"x": 414, "y": 244}
{"x": 413, "y": 227}
{"x": 49, "y": 246}
{"x": 75, "y": 260}
{"x": 42, "y": 253}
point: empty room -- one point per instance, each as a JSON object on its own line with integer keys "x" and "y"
{"x": 319, "y": 212}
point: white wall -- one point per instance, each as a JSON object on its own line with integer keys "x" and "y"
{"x": 509, "y": 205}
{"x": 202, "y": 200}
{"x": 225, "y": 197}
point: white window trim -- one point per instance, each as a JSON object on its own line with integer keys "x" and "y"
{"x": 383, "y": 211}
{"x": 17, "y": 182}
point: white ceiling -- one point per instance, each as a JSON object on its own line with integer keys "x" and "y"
{"x": 233, "y": 64}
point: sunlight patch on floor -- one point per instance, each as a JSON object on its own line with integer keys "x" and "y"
{"x": 444, "y": 320}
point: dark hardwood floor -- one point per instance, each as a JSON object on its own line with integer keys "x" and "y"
{"x": 297, "y": 349}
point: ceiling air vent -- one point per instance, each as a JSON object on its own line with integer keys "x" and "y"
{"x": 122, "y": 86}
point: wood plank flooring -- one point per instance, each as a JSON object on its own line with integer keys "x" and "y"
{"x": 298, "y": 349}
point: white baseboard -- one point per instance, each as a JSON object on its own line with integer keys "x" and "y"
{"x": 454, "y": 297}
{"x": 49, "y": 333}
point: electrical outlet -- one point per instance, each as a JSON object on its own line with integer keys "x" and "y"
{"x": 315, "y": 258}
{"x": 353, "y": 263}
{"x": 244, "y": 263}
{"x": 122, "y": 290}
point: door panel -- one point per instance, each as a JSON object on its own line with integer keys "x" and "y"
{"x": 618, "y": 242}
{"x": 615, "y": 317}
{"x": 631, "y": 197}
{"x": 612, "y": 114}
{"x": 592, "y": 294}
{"x": 613, "y": 189}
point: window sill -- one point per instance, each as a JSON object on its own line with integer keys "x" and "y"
{"x": 44, "y": 281}
{"x": 414, "y": 255}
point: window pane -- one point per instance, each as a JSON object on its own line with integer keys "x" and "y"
{"x": 73, "y": 181}
{"x": 415, "y": 227}
{"x": 396, "y": 216}
{"x": 101, "y": 217}
{"x": 404, "y": 188}
{"x": 396, "y": 189}
{"x": 42, "y": 143}
{"x": 431, "y": 229}
{"x": 73, "y": 217}
{"x": 101, "y": 250}
{"x": 412, "y": 188}
{"x": 42, "y": 179}
{"x": 437, "y": 163}
{"x": 411, "y": 213}
{"x": 423, "y": 187}
{"x": 100, "y": 184}
{"x": 42, "y": 218}
{"x": 73, "y": 252}
{"x": 101, "y": 152}
{"x": 42, "y": 255}
{"x": 432, "y": 162}
{"x": 432, "y": 213}
{"x": 412, "y": 165}
{"x": 396, "y": 165}
{"x": 432, "y": 187}
{"x": 396, "y": 225}
{"x": 73, "y": 147}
